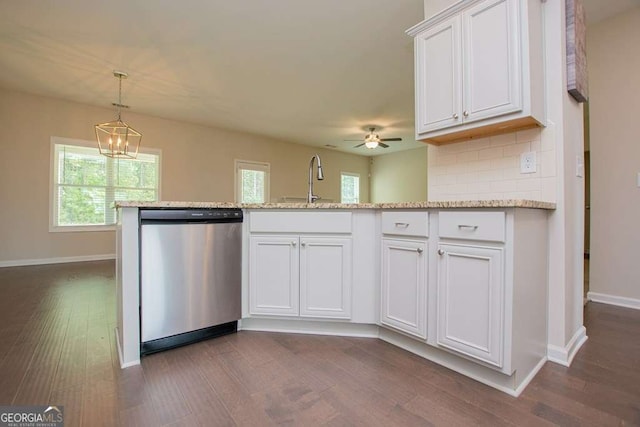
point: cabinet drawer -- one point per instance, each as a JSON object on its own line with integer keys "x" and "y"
{"x": 406, "y": 223}
{"x": 488, "y": 226}
{"x": 300, "y": 222}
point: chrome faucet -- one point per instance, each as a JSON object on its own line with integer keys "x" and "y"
{"x": 310, "y": 196}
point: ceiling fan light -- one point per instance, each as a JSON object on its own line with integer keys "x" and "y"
{"x": 371, "y": 144}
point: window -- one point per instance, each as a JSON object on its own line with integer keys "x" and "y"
{"x": 85, "y": 184}
{"x": 252, "y": 182}
{"x": 350, "y": 187}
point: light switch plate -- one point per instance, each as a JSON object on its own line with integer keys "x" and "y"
{"x": 528, "y": 162}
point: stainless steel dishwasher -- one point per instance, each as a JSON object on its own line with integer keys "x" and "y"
{"x": 190, "y": 275}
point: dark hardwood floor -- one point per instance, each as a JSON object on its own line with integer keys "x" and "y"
{"x": 57, "y": 346}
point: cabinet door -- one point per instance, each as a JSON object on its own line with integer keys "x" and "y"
{"x": 404, "y": 285}
{"x": 471, "y": 301}
{"x": 273, "y": 275}
{"x": 325, "y": 277}
{"x": 439, "y": 76}
{"x": 491, "y": 60}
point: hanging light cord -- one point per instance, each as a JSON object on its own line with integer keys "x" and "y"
{"x": 119, "y": 96}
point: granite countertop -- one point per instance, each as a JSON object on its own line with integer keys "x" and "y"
{"x": 531, "y": 204}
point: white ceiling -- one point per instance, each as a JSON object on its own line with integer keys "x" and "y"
{"x": 307, "y": 71}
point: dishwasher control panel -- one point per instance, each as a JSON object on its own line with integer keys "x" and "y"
{"x": 190, "y": 215}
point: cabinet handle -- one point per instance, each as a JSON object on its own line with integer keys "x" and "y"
{"x": 472, "y": 227}
{"x": 440, "y": 252}
{"x": 455, "y": 116}
{"x": 465, "y": 113}
{"x": 420, "y": 250}
{"x": 402, "y": 224}
{"x": 294, "y": 243}
{"x": 303, "y": 244}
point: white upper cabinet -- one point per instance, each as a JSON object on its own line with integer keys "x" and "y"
{"x": 479, "y": 70}
{"x": 440, "y": 76}
{"x": 491, "y": 60}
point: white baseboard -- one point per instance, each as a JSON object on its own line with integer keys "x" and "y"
{"x": 614, "y": 300}
{"x": 564, "y": 355}
{"x": 343, "y": 329}
{"x": 59, "y": 260}
{"x": 529, "y": 377}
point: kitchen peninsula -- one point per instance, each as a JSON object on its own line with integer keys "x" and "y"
{"x": 463, "y": 284}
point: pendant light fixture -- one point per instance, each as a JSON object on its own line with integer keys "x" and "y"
{"x": 117, "y": 139}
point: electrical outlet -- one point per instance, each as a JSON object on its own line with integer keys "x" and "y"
{"x": 528, "y": 162}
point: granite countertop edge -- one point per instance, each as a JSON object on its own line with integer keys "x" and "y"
{"x": 515, "y": 203}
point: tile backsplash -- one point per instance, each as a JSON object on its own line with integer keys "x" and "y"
{"x": 489, "y": 168}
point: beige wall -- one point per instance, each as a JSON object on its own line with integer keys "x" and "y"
{"x": 197, "y": 164}
{"x": 613, "y": 61}
{"x": 431, "y": 7}
{"x": 399, "y": 177}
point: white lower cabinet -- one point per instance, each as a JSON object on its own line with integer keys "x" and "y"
{"x": 307, "y": 276}
{"x": 454, "y": 285}
{"x": 404, "y": 285}
{"x": 325, "y": 277}
{"x": 274, "y": 275}
{"x": 470, "y": 301}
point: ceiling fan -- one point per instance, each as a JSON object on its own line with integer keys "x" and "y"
{"x": 372, "y": 140}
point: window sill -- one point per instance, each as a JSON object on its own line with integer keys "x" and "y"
{"x": 80, "y": 228}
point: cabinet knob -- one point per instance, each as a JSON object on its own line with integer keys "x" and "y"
{"x": 420, "y": 250}
{"x": 294, "y": 243}
{"x": 455, "y": 116}
{"x": 303, "y": 244}
{"x": 465, "y": 113}
{"x": 440, "y": 252}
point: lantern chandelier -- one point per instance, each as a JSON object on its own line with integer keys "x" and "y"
{"x": 117, "y": 139}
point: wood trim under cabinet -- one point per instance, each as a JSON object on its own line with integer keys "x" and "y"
{"x": 483, "y": 131}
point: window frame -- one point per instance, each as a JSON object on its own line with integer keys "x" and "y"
{"x": 254, "y": 166}
{"x": 53, "y": 168}
{"x": 352, "y": 174}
